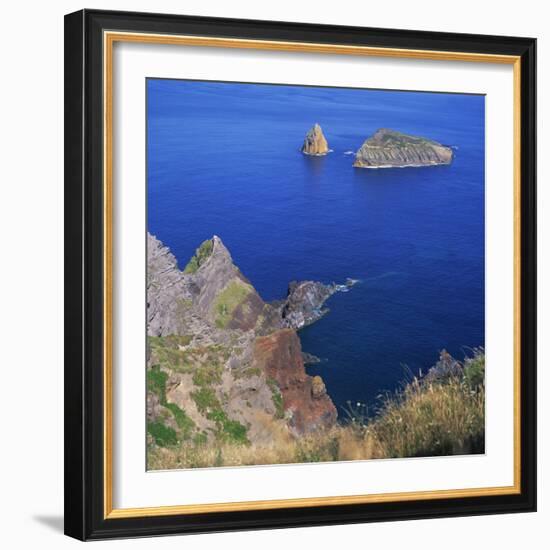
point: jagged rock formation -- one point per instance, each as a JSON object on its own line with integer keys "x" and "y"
{"x": 279, "y": 355}
{"x": 388, "y": 149}
{"x": 225, "y": 296}
{"x": 304, "y": 302}
{"x": 223, "y": 364}
{"x": 167, "y": 290}
{"x": 446, "y": 367}
{"x": 315, "y": 142}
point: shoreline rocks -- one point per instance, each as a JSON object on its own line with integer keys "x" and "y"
{"x": 305, "y": 300}
{"x": 304, "y": 303}
{"x": 310, "y": 359}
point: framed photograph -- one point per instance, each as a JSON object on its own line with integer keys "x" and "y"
{"x": 300, "y": 274}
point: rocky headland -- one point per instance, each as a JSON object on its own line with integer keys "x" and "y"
{"x": 315, "y": 142}
{"x": 224, "y": 365}
{"x": 305, "y": 301}
{"x": 391, "y": 149}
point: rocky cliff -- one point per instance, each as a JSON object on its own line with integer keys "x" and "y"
{"x": 305, "y": 301}
{"x": 223, "y": 365}
{"x": 167, "y": 291}
{"x": 306, "y": 403}
{"x": 315, "y": 142}
{"x": 388, "y": 149}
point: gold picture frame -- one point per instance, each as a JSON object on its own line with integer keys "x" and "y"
{"x": 101, "y": 29}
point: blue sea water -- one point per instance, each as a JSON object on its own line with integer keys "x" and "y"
{"x": 224, "y": 158}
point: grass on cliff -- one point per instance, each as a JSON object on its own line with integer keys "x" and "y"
{"x": 433, "y": 418}
{"x": 227, "y": 430}
{"x": 162, "y": 434}
{"x": 201, "y": 255}
{"x": 205, "y": 364}
{"x": 228, "y": 300}
{"x": 172, "y": 353}
{"x": 399, "y": 139}
{"x": 427, "y": 417}
{"x": 277, "y": 398}
{"x": 167, "y": 352}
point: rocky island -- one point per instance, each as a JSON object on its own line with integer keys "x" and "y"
{"x": 391, "y": 149}
{"x": 223, "y": 365}
{"x": 315, "y": 142}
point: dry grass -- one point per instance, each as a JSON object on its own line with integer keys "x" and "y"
{"x": 338, "y": 443}
{"x": 426, "y": 418}
{"x": 431, "y": 420}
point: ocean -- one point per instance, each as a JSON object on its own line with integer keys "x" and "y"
{"x": 224, "y": 159}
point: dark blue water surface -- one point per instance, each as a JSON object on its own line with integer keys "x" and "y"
{"x": 225, "y": 159}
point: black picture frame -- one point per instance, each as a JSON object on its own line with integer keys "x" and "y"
{"x": 84, "y": 282}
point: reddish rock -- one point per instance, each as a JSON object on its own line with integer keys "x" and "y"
{"x": 307, "y": 404}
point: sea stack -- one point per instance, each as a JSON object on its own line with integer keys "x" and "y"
{"x": 392, "y": 149}
{"x": 315, "y": 142}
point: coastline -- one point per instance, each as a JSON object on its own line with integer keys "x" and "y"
{"x": 402, "y": 165}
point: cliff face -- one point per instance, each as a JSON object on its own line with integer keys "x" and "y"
{"x": 225, "y": 297}
{"x": 306, "y": 403}
{"x": 315, "y": 142}
{"x": 388, "y": 148}
{"x": 221, "y": 364}
{"x": 167, "y": 290}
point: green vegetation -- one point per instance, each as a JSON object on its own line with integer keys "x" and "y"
{"x": 176, "y": 341}
{"x": 227, "y": 430}
{"x": 230, "y": 431}
{"x": 167, "y": 352}
{"x": 399, "y": 139}
{"x": 205, "y": 399}
{"x": 185, "y": 424}
{"x": 201, "y": 255}
{"x": 427, "y": 417}
{"x": 208, "y": 374}
{"x": 474, "y": 371}
{"x": 163, "y": 435}
{"x": 205, "y": 364}
{"x": 156, "y": 383}
{"x": 231, "y": 297}
{"x": 174, "y": 353}
{"x": 277, "y": 398}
